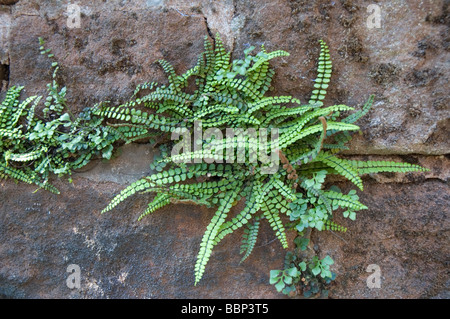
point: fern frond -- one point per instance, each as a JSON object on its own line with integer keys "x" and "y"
{"x": 285, "y": 190}
{"x": 357, "y": 115}
{"x": 284, "y": 113}
{"x": 30, "y": 120}
{"x": 222, "y": 57}
{"x": 172, "y": 99}
{"x": 201, "y": 113}
{"x": 207, "y": 243}
{"x": 17, "y": 174}
{"x": 244, "y": 86}
{"x": 139, "y": 185}
{"x": 265, "y": 57}
{"x": 18, "y": 112}
{"x": 343, "y": 167}
{"x": 15, "y": 133}
{"x": 183, "y": 79}
{"x": 249, "y": 239}
{"x": 144, "y": 86}
{"x": 205, "y": 189}
{"x": 168, "y": 176}
{"x": 342, "y": 200}
{"x": 252, "y": 205}
{"x": 158, "y": 202}
{"x": 300, "y": 122}
{"x": 171, "y": 75}
{"x": 304, "y": 156}
{"x": 26, "y": 157}
{"x": 323, "y": 75}
{"x": 291, "y": 136}
{"x": 210, "y": 57}
{"x": 331, "y": 225}
{"x": 269, "y": 102}
{"x": 152, "y": 121}
{"x": 28, "y": 176}
{"x": 263, "y": 80}
{"x": 370, "y": 167}
{"x": 9, "y": 106}
{"x": 270, "y": 209}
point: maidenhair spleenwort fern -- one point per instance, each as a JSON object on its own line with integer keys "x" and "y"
{"x": 232, "y": 95}
{"x": 286, "y": 189}
{"x": 32, "y": 145}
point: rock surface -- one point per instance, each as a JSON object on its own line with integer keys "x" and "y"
{"x": 405, "y": 232}
{"x": 404, "y": 63}
{"x": 42, "y": 234}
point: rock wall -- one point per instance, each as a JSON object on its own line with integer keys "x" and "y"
{"x": 404, "y": 61}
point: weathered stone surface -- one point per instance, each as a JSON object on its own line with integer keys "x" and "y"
{"x": 42, "y": 234}
{"x": 114, "y": 48}
{"x": 404, "y": 63}
{"x": 405, "y": 232}
{"x": 130, "y": 163}
{"x": 5, "y": 27}
{"x": 405, "y": 118}
{"x": 8, "y": 2}
{"x": 439, "y": 169}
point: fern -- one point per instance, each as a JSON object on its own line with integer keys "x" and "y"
{"x": 342, "y": 200}
{"x": 370, "y": 167}
{"x": 231, "y": 94}
{"x": 271, "y": 210}
{"x": 324, "y": 70}
{"x": 249, "y": 238}
{"x": 342, "y": 167}
{"x": 228, "y": 94}
{"x": 252, "y": 205}
{"x": 331, "y": 225}
{"x": 54, "y": 142}
{"x": 135, "y": 187}
{"x": 160, "y": 200}
{"x": 207, "y": 243}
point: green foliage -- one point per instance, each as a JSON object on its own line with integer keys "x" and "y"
{"x": 249, "y": 238}
{"x": 272, "y": 207}
{"x": 213, "y": 228}
{"x": 56, "y": 143}
{"x": 220, "y": 94}
{"x": 231, "y": 94}
{"x": 324, "y": 70}
{"x": 33, "y": 145}
{"x": 309, "y": 275}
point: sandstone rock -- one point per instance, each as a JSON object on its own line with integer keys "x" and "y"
{"x": 5, "y": 26}
{"x": 404, "y": 63}
{"x": 405, "y": 232}
{"x": 129, "y": 163}
{"x": 403, "y": 119}
{"x": 42, "y": 234}
{"x": 8, "y": 2}
{"x": 114, "y": 48}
